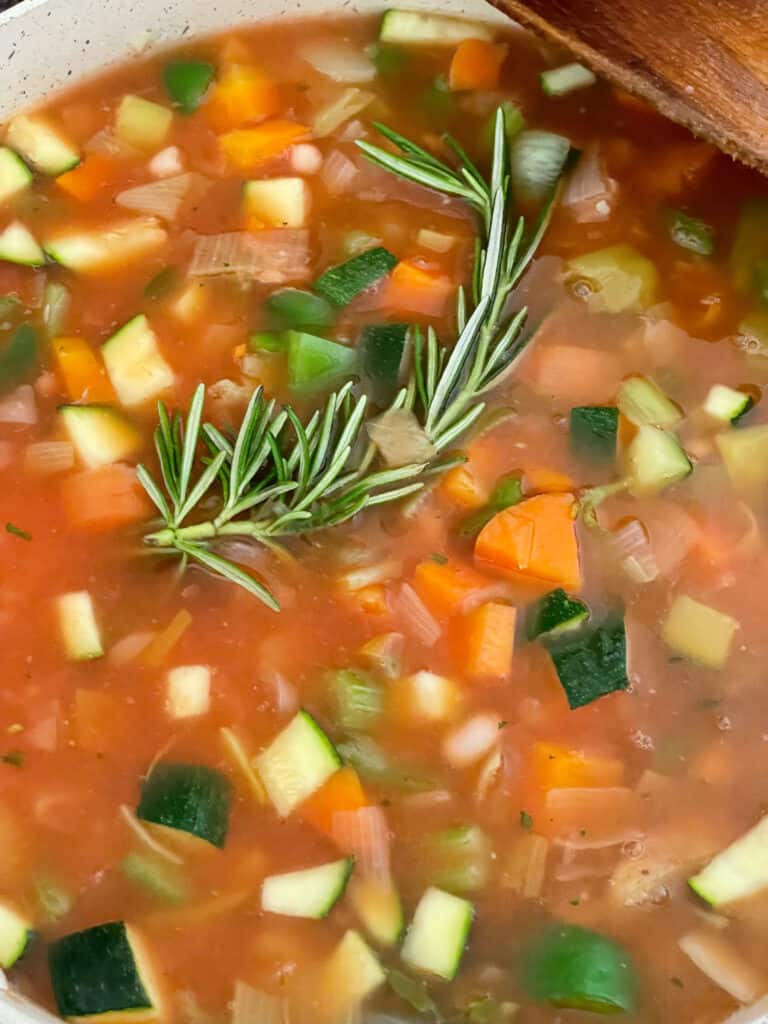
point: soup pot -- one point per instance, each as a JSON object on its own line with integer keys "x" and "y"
{"x": 49, "y": 44}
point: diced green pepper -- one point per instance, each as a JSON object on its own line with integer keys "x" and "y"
{"x": 187, "y": 82}
{"x": 593, "y": 432}
{"x": 295, "y": 307}
{"x": 690, "y": 233}
{"x": 383, "y": 348}
{"x": 507, "y": 492}
{"x": 314, "y": 363}
{"x": 578, "y": 969}
{"x": 18, "y": 358}
{"x": 268, "y": 341}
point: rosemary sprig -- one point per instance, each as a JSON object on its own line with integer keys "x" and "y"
{"x": 279, "y": 476}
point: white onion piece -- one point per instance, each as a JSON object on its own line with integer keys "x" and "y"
{"x": 271, "y": 257}
{"x": 48, "y": 457}
{"x": 400, "y": 438}
{"x": 339, "y": 60}
{"x": 306, "y": 158}
{"x": 590, "y": 193}
{"x": 286, "y": 697}
{"x": 757, "y": 1013}
{"x": 353, "y": 130}
{"x": 416, "y": 618}
{"x": 339, "y": 173}
{"x": 723, "y": 965}
{"x": 368, "y": 575}
{"x": 332, "y": 116}
{"x": 635, "y": 552}
{"x": 143, "y": 833}
{"x": 130, "y": 647}
{"x": 167, "y": 162}
{"x": 19, "y": 407}
{"x": 364, "y": 834}
{"x": 489, "y": 775}
{"x": 162, "y": 198}
{"x": 472, "y": 740}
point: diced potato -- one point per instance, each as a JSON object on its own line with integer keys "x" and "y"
{"x": 698, "y": 632}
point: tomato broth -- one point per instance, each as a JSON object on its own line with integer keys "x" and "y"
{"x": 473, "y": 739}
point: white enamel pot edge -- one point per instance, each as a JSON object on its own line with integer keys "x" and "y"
{"x": 46, "y": 45}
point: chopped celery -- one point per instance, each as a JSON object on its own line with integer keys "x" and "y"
{"x": 619, "y": 278}
{"x": 566, "y": 79}
{"x": 507, "y": 492}
{"x": 315, "y": 363}
{"x": 371, "y": 763}
{"x": 690, "y": 233}
{"x": 187, "y": 82}
{"x": 268, "y": 341}
{"x": 699, "y": 633}
{"x": 536, "y": 162}
{"x": 56, "y": 303}
{"x": 643, "y": 403}
{"x": 160, "y": 879}
{"x": 413, "y": 991}
{"x": 745, "y": 455}
{"x": 593, "y": 432}
{"x": 459, "y": 859}
{"x": 295, "y": 307}
{"x": 359, "y": 699}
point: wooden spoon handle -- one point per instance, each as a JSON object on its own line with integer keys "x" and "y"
{"x": 702, "y": 63}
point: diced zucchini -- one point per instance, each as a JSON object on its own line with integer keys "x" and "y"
{"x": 295, "y": 307}
{"x": 698, "y": 632}
{"x": 15, "y": 176}
{"x": 94, "y": 252}
{"x": 309, "y": 893}
{"x": 537, "y": 160}
{"x": 19, "y": 245}
{"x": 100, "y": 434}
{"x": 643, "y": 403}
{"x": 655, "y": 460}
{"x": 437, "y": 935}
{"x": 41, "y": 145}
{"x": 352, "y": 973}
{"x": 459, "y": 859}
{"x": 750, "y": 245}
{"x": 384, "y": 349}
{"x": 619, "y": 279}
{"x": 187, "y": 82}
{"x": 593, "y": 432}
{"x": 103, "y": 973}
{"x": 578, "y": 969}
{"x": 727, "y": 404}
{"x": 566, "y": 79}
{"x": 16, "y": 933}
{"x": 359, "y": 701}
{"x": 745, "y": 455}
{"x": 592, "y": 664}
{"x": 158, "y": 878}
{"x": 690, "y": 233}
{"x": 340, "y": 284}
{"x": 189, "y": 798}
{"x": 278, "y": 202}
{"x": 188, "y": 691}
{"x": 141, "y": 123}
{"x": 554, "y": 614}
{"x": 738, "y": 871}
{"x": 134, "y": 363}
{"x": 377, "y": 904}
{"x": 78, "y": 625}
{"x": 297, "y": 763}
{"x": 315, "y": 363}
{"x": 416, "y": 28}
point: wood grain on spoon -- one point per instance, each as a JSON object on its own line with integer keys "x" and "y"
{"x": 702, "y": 63}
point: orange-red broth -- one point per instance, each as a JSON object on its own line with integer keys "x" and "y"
{"x": 685, "y": 740}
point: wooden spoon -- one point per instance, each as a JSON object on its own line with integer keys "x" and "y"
{"x": 702, "y": 63}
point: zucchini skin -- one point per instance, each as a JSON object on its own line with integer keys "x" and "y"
{"x": 189, "y": 798}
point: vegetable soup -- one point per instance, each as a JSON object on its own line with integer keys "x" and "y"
{"x": 384, "y": 476}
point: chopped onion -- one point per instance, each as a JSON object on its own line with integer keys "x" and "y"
{"x": 252, "y": 1006}
{"x": 757, "y": 1013}
{"x": 338, "y": 174}
{"x": 385, "y": 653}
{"x": 416, "y": 618}
{"x": 634, "y": 550}
{"x": 271, "y": 257}
{"x": 577, "y": 865}
{"x": 306, "y": 158}
{"x": 364, "y": 834}
{"x": 488, "y": 776}
{"x": 353, "y": 131}
{"x": 525, "y": 865}
{"x": 400, "y": 438}
{"x": 723, "y": 965}
{"x": 286, "y": 697}
{"x": 130, "y": 647}
{"x": 167, "y": 162}
{"x": 19, "y": 407}
{"x": 366, "y": 576}
{"x": 56, "y": 302}
{"x": 472, "y": 740}
{"x": 105, "y": 141}
{"x": 330, "y": 117}
{"x": 339, "y": 60}
{"x": 47, "y": 457}
{"x": 143, "y": 833}
{"x": 435, "y": 241}
{"x": 162, "y": 198}
{"x": 589, "y": 194}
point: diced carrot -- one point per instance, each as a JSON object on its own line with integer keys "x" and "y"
{"x": 573, "y": 375}
{"x": 462, "y": 488}
{"x": 89, "y": 178}
{"x": 558, "y": 767}
{"x": 242, "y": 95}
{"x": 476, "y": 64}
{"x": 534, "y": 539}
{"x": 540, "y": 480}
{"x": 486, "y": 640}
{"x": 85, "y": 377}
{"x": 246, "y": 148}
{"x": 163, "y": 643}
{"x": 104, "y": 498}
{"x": 447, "y": 587}
{"x": 342, "y": 792}
{"x": 414, "y": 288}
{"x": 102, "y": 721}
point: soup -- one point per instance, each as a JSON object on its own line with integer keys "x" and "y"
{"x": 384, "y": 574}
